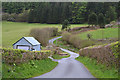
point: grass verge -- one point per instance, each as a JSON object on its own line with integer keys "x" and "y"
{"x": 98, "y": 70}
{"x": 28, "y": 70}
{"x": 57, "y": 56}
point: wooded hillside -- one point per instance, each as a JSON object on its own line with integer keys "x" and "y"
{"x": 57, "y": 12}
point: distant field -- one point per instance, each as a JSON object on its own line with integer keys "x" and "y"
{"x": 12, "y": 31}
{"x": 101, "y": 33}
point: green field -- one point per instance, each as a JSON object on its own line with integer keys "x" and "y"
{"x": 13, "y": 31}
{"x": 101, "y": 33}
{"x": 28, "y": 70}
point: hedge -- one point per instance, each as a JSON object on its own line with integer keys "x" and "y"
{"x": 105, "y": 54}
{"x": 17, "y": 56}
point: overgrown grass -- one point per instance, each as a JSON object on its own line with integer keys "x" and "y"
{"x": 13, "y": 31}
{"x": 98, "y": 70}
{"x": 57, "y": 56}
{"x": 28, "y": 70}
{"x": 101, "y": 33}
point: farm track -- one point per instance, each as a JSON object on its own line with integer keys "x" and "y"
{"x": 67, "y": 67}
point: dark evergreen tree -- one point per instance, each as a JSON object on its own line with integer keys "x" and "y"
{"x": 57, "y": 12}
{"x": 118, "y": 11}
{"x": 92, "y": 20}
{"x": 110, "y": 15}
{"x": 31, "y": 16}
{"x": 101, "y": 20}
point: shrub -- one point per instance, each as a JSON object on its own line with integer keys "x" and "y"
{"x": 76, "y": 41}
{"x": 113, "y": 22}
{"x": 89, "y": 36}
{"x": 43, "y": 35}
{"x": 65, "y": 25}
{"x": 66, "y": 36}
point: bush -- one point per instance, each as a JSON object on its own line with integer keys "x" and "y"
{"x": 76, "y": 41}
{"x": 43, "y": 35}
{"x": 113, "y": 22}
{"x": 65, "y": 24}
{"x": 66, "y": 36}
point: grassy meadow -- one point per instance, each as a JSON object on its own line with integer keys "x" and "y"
{"x": 101, "y": 33}
{"x": 13, "y": 31}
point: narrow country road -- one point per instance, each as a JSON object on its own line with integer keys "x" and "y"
{"x": 67, "y": 67}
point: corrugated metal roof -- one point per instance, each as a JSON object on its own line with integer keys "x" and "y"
{"x": 32, "y": 40}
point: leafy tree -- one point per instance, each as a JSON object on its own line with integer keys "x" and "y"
{"x": 65, "y": 24}
{"x": 92, "y": 19}
{"x": 101, "y": 20}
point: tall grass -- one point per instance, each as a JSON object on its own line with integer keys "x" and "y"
{"x": 43, "y": 35}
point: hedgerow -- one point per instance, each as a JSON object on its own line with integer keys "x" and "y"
{"x": 76, "y": 41}
{"x": 17, "y": 56}
{"x": 44, "y": 34}
{"x": 116, "y": 49}
{"x": 105, "y": 54}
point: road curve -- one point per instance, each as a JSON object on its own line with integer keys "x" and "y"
{"x": 67, "y": 67}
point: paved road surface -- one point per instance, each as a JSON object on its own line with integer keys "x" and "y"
{"x": 67, "y": 67}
